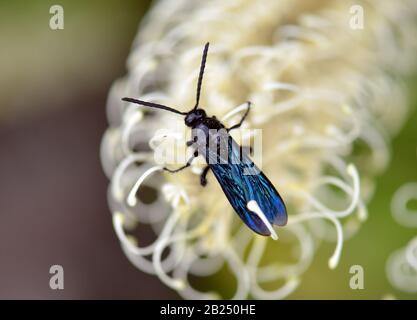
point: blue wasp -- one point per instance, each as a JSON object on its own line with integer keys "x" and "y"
{"x": 248, "y": 190}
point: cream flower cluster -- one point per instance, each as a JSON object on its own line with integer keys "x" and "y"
{"x": 327, "y": 98}
{"x": 401, "y": 268}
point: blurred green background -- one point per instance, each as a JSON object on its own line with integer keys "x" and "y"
{"x": 53, "y": 88}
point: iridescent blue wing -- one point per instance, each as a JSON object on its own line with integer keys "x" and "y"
{"x": 242, "y": 182}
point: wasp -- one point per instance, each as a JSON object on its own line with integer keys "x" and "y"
{"x": 250, "y": 193}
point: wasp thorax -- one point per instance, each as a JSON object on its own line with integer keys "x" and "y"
{"x": 194, "y": 117}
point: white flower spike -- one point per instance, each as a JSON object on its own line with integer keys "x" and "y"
{"x": 319, "y": 89}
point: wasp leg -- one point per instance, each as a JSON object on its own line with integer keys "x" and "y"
{"x": 203, "y": 177}
{"x": 247, "y": 149}
{"x": 236, "y": 126}
{"x": 191, "y": 142}
{"x": 195, "y": 155}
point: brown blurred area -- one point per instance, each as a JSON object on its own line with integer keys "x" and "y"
{"x": 53, "y": 201}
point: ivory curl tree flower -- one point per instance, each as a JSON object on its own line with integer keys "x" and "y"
{"x": 325, "y": 95}
{"x": 401, "y": 267}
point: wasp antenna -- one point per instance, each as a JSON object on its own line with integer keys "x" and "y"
{"x": 200, "y": 76}
{"x": 153, "y": 105}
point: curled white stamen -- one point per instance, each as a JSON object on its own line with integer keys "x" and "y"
{"x": 234, "y": 111}
{"x": 176, "y": 284}
{"x": 241, "y": 240}
{"x": 116, "y": 187}
{"x": 118, "y": 219}
{"x": 400, "y": 273}
{"x": 188, "y": 291}
{"x": 290, "y": 285}
{"x": 130, "y": 123}
{"x": 131, "y": 198}
{"x": 401, "y": 198}
{"x": 276, "y": 271}
{"x": 351, "y": 170}
{"x": 281, "y": 86}
{"x": 281, "y": 107}
{"x": 241, "y": 273}
{"x": 253, "y": 206}
{"x": 411, "y": 253}
{"x": 334, "y": 259}
{"x": 253, "y": 261}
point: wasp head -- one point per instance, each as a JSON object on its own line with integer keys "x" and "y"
{"x": 194, "y": 117}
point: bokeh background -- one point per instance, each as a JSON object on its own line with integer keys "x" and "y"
{"x": 53, "y": 203}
